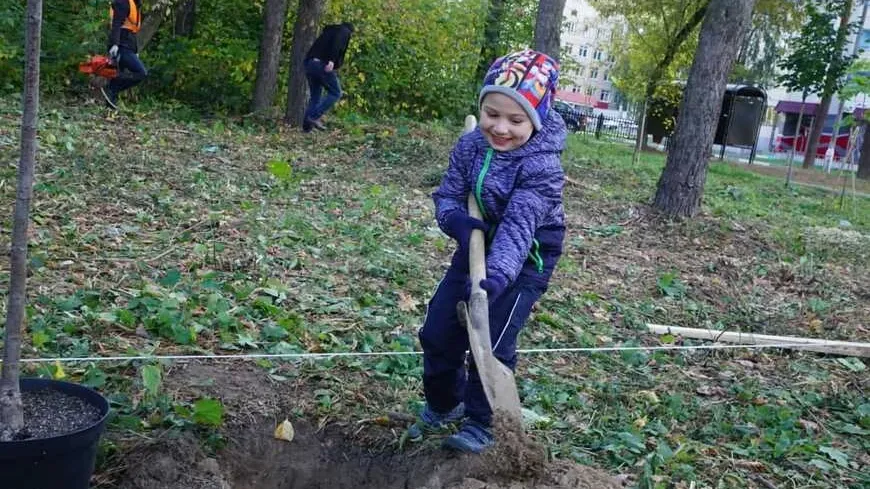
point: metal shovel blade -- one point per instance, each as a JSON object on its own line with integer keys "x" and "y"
{"x": 498, "y": 381}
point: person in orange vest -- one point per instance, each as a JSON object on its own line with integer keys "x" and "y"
{"x": 126, "y": 17}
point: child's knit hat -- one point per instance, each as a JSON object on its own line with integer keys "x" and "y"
{"x": 528, "y": 77}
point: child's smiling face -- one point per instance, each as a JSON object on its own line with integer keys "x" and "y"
{"x": 504, "y": 123}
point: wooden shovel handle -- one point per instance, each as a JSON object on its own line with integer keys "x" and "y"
{"x": 476, "y": 249}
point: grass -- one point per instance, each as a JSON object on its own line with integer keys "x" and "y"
{"x": 161, "y": 235}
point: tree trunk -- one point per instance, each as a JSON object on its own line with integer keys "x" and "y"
{"x": 794, "y": 144}
{"x": 864, "y": 157}
{"x": 491, "y": 37}
{"x": 152, "y": 21}
{"x": 268, "y": 63}
{"x": 304, "y": 33}
{"x": 829, "y": 89}
{"x": 185, "y": 19}
{"x": 681, "y": 185}
{"x": 671, "y": 52}
{"x": 11, "y": 412}
{"x": 548, "y": 26}
{"x": 819, "y": 118}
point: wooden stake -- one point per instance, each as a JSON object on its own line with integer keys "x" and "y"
{"x": 834, "y": 347}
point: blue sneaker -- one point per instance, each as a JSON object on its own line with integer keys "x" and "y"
{"x": 472, "y": 438}
{"x": 431, "y": 422}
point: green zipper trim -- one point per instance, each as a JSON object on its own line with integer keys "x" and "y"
{"x": 535, "y": 253}
{"x": 479, "y": 187}
{"x": 536, "y": 256}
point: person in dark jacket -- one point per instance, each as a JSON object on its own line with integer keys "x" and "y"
{"x": 511, "y": 163}
{"x": 321, "y": 65}
{"x": 126, "y": 17}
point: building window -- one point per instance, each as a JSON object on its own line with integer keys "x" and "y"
{"x": 597, "y": 55}
{"x": 574, "y": 13}
{"x": 606, "y": 76}
{"x": 569, "y": 47}
{"x": 605, "y": 95}
{"x": 593, "y": 73}
{"x": 590, "y": 90}
{"x": 582, "y": 52}
{"x": 581, "y": 71}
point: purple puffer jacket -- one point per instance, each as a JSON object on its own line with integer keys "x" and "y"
{"x": 521, "y": 194}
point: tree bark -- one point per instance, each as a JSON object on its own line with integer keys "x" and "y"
{"x": 671, "y": 52}
{"x": 681, "y": 185}
{"x": 548, "y": 27}
{"x": 864, "y": 157}
{"x": 491, "y": 37}
{"x": 11, "y": 411}
{"x": 794, "y": 145}
{"x": 185, "y": 19}
{"x": 268, "y": 63}
{"x": 152, "y": 21}
{"x": 304, "y": 33}
{"x": 829, "y": 89}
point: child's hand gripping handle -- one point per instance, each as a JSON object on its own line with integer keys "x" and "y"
{"x": 476, "y": 251}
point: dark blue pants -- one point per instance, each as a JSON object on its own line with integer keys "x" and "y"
{"x": 446, "y": 380}
{"x": 131, "y": 71}
{"x": 318, "y": 81}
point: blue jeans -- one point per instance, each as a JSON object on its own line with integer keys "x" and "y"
{"x": 131, "y": 71}
{"x": 318, "y": 80}
{"x": 446, "y": 380}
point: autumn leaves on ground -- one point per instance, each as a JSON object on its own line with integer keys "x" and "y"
{"x": 239, "y": 237}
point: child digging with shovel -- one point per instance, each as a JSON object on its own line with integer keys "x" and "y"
{"x": 511, "y": 163}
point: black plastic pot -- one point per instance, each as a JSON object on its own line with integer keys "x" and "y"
{"x": 65, "y": 461}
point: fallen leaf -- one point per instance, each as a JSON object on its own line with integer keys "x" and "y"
{"x": 649, "y": 396}
{"x": 285, "y": 431}
{"x": 407, "y": 303}
{"x": 750, "y": 465}
{"x": 58, "y": 374}
{"x": 710, "y": 390}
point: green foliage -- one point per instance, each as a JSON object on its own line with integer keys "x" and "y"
{"x": 208, "y": 412}
{"x": 412, "y": 57}
{"x": 773, "y": 24}
{"x": 670, "y": 286}
{"x": 152, "y": 377}
{"x": 216, "y": 67}
{"x": 71, "y": 29}
{"x": 653, "y": 35}
{"x": 857, "y": 81}
{"x": 817, "y": 59}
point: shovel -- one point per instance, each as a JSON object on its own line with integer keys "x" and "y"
{"x": 498, "y": 381}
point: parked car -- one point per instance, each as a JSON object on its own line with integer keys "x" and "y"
{"x": 574, "y": 119}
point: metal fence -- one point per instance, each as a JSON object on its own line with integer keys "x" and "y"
{"x": 600, "y": 126}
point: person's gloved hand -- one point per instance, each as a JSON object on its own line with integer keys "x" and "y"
{"x": 458, "y": 225}
{"x": 113, "y": 52}
{"x": 494, "y": 285}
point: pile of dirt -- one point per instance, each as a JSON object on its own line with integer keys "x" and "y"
{"x": 253, "y": 459}
{"x": 325, "y": 457}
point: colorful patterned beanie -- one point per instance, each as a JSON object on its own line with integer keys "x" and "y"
{"x": 529, "y": 78}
